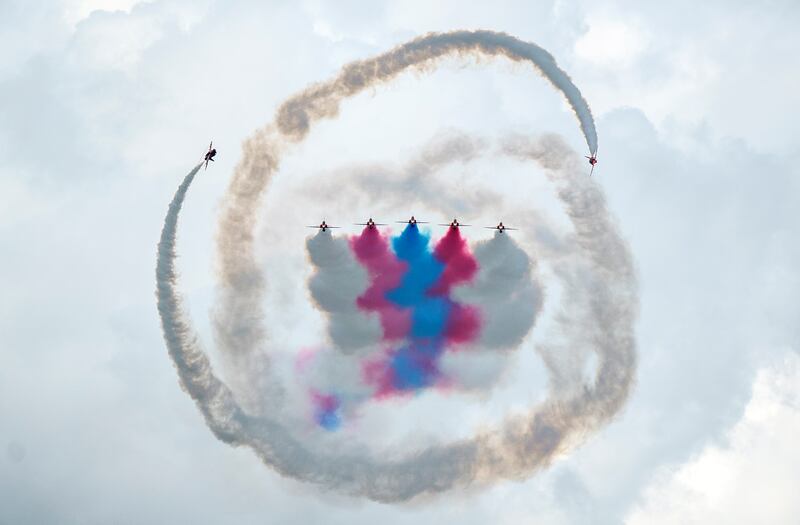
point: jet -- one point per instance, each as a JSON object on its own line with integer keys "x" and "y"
{"x": 323, "y": 226}
{"x": 370, "y": 224}
{"x": 592, "y": 161}
{"x": 455, "y": 224}
{"x": 500, "y": 227}
{"x": 412, "y": 221}
{"x": 210, "y": 154}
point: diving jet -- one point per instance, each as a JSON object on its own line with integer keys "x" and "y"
{"x": 500, "y": 227}
{"x": 210, "y": 154}
{"x": 370, "y": 224}
{"x": 412, "y": 221}
{"x": 592, "y": 161}
{"x": 455, "y": 224}
{"x": 323, "y": 226}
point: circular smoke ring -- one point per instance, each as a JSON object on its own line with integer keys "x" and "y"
{"x": 600, "y": 287}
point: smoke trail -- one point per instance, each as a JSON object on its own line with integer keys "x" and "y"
{"x": 372, "y": 250}
{"x": 411, "y": 292}
{"x": 337, "y": 282}
{"x": 238, "y": 331}
{"x": 506, "y": 290}
{"x": 296, "y": 115}
{"x": 603, "y": 286}
{"x": 415, "y": 184}
{"x": 194, "y": 369}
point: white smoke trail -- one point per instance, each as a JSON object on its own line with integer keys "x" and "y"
{"x": 297, "y": 114}
{"x": 192, "y": 364}
{"x": 606, "y": 293}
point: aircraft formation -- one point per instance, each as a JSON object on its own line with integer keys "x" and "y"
{"x": 371, "y": 224}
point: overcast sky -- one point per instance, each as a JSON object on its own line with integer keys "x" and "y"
{"x": 106, "y": 104}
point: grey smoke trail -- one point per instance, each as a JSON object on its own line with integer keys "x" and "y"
{"x": 414, "y": 185}
{"x": 515, "y": 449}
{"x": 335, "y": 285}
{"x": 505, "y": 289}
{"x": 296, "y": 115}
{"x": 194, "y": 370}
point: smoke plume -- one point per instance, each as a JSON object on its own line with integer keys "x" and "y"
{"x": 600, "y": 301}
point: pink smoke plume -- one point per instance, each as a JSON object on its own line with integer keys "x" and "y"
{"x": 385, "y": 272}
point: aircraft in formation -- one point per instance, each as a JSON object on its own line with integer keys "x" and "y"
{"x": 500, "y": 227}
{"x": 210, "y": 154}
{"x": 371, "y": 224}
{"x": 455, "y": 224}
{"x": 323, "y": 226}
{"x": 412, "y": 221}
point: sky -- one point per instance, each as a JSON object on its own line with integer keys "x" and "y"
{"x": 108, "y": 104}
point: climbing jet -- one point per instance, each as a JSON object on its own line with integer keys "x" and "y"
{"x": 370, "y": 224}
{"x": 455, "y": 224}
{"x": 412, "y": 221}
{"x": 500, "y": 227}
{"x": 323, "y": 226}
{"x": 592, "y": 161}
{"x": 210, "y": 154}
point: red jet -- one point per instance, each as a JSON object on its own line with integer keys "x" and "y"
{"x": 370, "y": 224}
{"x": 592, "y": 161}
{"x": 210, "y": 154}
{"x": 455, "y": 224}
{"x": 323, "y": 226}
{"x": 412, "y": 221}
{"x": 500, "y": 227}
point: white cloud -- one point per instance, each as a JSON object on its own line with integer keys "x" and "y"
{"x": 78, "y": 10}
{"x": 753, "y": 478}
{"x": 612, "y": 43}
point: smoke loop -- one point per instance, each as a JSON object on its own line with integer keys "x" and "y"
{"x": 604, "y": 285}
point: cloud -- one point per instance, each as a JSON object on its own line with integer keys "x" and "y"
{"x": 752, "y": 477}
{"x": 611, "y": 42}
